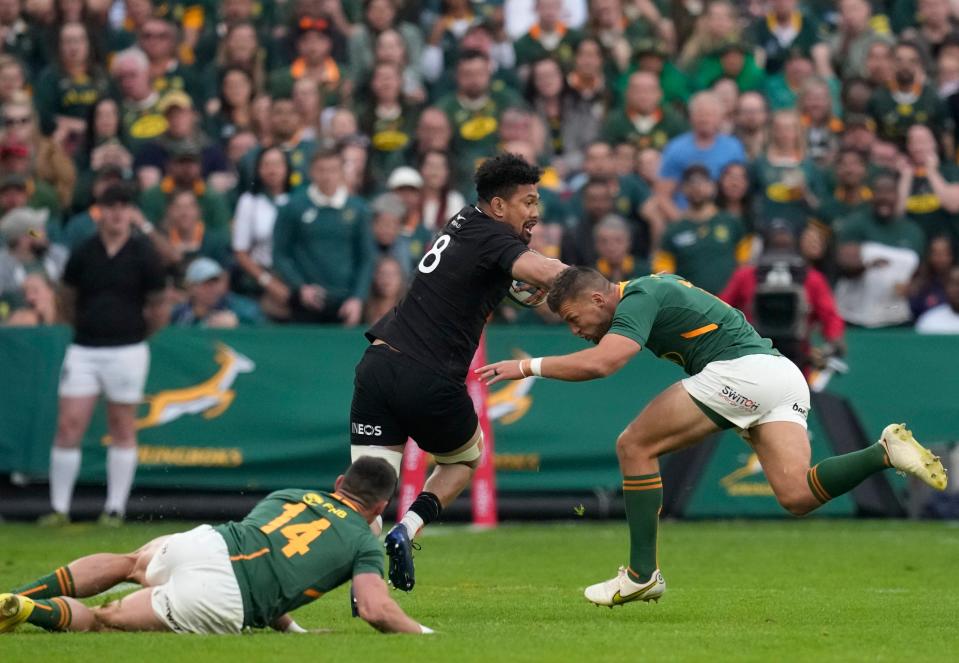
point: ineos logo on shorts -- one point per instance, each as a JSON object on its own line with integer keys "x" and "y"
{"x": 367, "y": 429}
{"x": 801, "y": 410}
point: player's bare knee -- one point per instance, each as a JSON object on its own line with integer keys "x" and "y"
{"x": 630, "y": 445}
{"x": 796, "y": 503}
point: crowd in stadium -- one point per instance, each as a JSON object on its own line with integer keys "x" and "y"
{"x": 290, "y": 160}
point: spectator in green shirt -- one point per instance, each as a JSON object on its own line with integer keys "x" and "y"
{"x": 782, "y": 88}
{"x": 548, "y": 38}
{"x": 706, "y": 245}
{"x": 907, "y": 99}
{"x": 314, "y": 59}
{"x": 613, "y": 240}
{"x": 140, "y": 118}
{"x": 67, "y": 89}
{"x": 158, "y": 40}
{"x": 475, "y": 111}
{"x": 387, "y": 120}
{"x": 928, "y": 189}
{"x": 852, "y": 194}
{"x": 190, "y": 236}
{"x": 184, "y": 173}
{"x": 286, "y": 127}
{"x": 652, "y": 55}
{"x": 788, "y": 184}
{"x": 784, "y": 28}
{"x": 322, "y": 246}
{"x": 733, "y": 61}
{"x": 642, "y": 120}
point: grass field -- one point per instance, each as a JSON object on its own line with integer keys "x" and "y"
{"x": 757, "y": 591}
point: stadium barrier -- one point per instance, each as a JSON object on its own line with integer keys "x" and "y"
{"x": 255, "y": 409}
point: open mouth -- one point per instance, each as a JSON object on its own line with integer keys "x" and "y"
{"x": 528, "y": 227}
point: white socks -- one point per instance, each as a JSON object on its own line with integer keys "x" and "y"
{"x": 64, "y": 468}
{"x": 121, "y": 468}
{"x": 412, "y": 522}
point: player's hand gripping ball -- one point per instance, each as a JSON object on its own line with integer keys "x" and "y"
{"x": 526, "y": 295}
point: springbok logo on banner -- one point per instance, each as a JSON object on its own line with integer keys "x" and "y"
{"x": 211, "y": 398}
{"x": 512, "y": 401}
{"x": 748, "y": 480}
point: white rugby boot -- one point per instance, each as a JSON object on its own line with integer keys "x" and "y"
{"x": 621, "y": 589}
{"x": 907, "y": 455}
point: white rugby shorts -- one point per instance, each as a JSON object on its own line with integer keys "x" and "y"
{"x": 194, "y": 587}
{"x": 752, "y": 390}
{"x": 119, "y": 372}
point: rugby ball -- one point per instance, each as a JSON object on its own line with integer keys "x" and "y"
{"x": 525, "y": 295}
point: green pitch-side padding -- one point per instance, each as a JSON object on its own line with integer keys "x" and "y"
{"x": 269, "y": 408}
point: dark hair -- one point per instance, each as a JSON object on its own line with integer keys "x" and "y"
{"x": 571, "y": 283}
{"x": 499, "y": 176}
{"x": 472, "y": 54}
{"x": 121, "y": 193}
{"x": 225, "y": 107}
{"x": 722, "y": 201}
{"x": 93, "y": 55}
{"x": 257, "y": 186}
{"x": 916, "y": 47}
{"x": 90, "y": 134}
{"x": 370, "y": 480}
{"x": 596, "y": 181}
{"x": 530, "y": 93}
{"x": 848, "y": 150}
{"x": 694, "y": 170}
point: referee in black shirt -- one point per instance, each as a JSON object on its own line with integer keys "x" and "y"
{"x": 113, "y": 296}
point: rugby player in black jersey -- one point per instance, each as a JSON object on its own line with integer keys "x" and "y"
{"x": 411, "y": 380}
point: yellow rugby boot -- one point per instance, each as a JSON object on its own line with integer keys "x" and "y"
{"x": 907, "y": 455}
{"x": 14, "y": 610}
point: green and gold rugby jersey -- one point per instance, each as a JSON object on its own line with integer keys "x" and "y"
{"x": 295, "y": 546}
{"x": 684, "y": 324}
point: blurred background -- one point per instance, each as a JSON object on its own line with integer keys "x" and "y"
{"x": 286, "y": 164}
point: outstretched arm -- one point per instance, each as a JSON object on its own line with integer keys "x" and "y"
{"x": 610, "y": 355}
{"x": 535, "y": 268}
{"x": 377, "y": 608}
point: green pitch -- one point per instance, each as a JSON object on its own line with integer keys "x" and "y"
{"x": 763, "y": 591}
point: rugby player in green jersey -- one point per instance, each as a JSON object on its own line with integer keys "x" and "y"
{"x": 736, "y": 380}
{"x": 295, "y": 546}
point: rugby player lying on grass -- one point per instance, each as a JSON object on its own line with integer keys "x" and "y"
{"x": 292, "y": 548}
{"x": 737, "y": 380}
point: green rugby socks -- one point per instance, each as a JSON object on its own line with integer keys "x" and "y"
{"x": 58, "y": 583}
{"x": 840, "y": 474}
{"x": 643, "y": 497}
{"x": 51, "y": 614}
